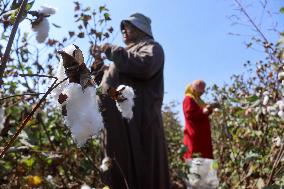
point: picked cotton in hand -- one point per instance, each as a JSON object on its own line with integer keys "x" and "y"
{"x": 125, "y": 107}
{"x": 83, "y": 116}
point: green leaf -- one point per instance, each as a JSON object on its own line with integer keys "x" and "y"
{"x": 282, "y": 10}
{"x": 107, "y": 16}
{"x": 13, "y": 16}
{"x": 252, "y": 98}
{"x": 274, "y": 186}
{"x": 7, "y": 165}
{"x": 29, "y": 162}
{"x": 29, "y": 5}
{"x": 102, "y": 8}
{"x": 233, "y": 99}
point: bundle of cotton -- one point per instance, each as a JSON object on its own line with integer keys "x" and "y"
{"x": 202, "y": 173}
{"x": 83, "y": 116}
{"x": 125, "y": 106}
{"x": 41, "y": 26}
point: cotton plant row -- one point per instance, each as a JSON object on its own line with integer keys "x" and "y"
{"x": 83, "y": 116}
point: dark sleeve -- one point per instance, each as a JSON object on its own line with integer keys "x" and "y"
{"x": 142, "y": 64}
{"x": 192, "y": 111}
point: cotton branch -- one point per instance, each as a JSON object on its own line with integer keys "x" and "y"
{"x": 20, "y": 95}
{"x": 250, "y": 20}
{"x": 24, "y": 123}
{"x": 11, "y": 39}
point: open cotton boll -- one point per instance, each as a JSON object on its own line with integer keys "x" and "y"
{"x": 41, "y": 30}
{"x": 265, "y": 100}
{"x": 47, "y": 10}
{"x": 277, "y": 141}
{"x": 2, "y": 118}
{"x": 281, "y": 114}
{"x": 125, "y": 107}
{"x": 281, "y": 75}
{"x": 60, "y": 75}
{"x": 280, "y": 104}
{"x": 85, "y": 186}
{"x": 83, "y": 116}
{"x": 106, "y": 163}
{"x": 203, "y": 174}
{"x": 272, "y": 110}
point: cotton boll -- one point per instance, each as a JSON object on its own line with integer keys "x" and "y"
{"x": 265, "y": 93}
{"x": 277, "y": 141}
{"x": 106, "y": 163}
{"x": 85, "y": 186}
{"x": 263, "y": 110}
{"x": 272, "y": 110}
{"x": 83, "y": 116}
{"x": 47, "y": 10}
{"x": 49, "y": 178}
{"x": 280, "y": 104}
{"x": 265, "y": 100}
{"x": 281, "y": 75}
{"x": 202, "y": 173}
{"x": 60, "y": 75}
{"x": 281, "y": 114}
{"x": 41, "y": 30}
{"x": 125, "y": 107}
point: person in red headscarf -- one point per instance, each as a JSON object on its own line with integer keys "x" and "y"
{"x": 197, "y": 131}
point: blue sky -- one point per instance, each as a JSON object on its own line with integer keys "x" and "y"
{"x": 194, "y": 35}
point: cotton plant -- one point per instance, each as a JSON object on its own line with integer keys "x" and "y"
{"x": 41, "y": 25}
{"x": 202, "y": 173}
{"x": 125, "y": 105}
{"x": 82, "y": 115}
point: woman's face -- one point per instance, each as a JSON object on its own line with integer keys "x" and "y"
{"x": 129, "y": 33}
{"x": 199, "y": 88}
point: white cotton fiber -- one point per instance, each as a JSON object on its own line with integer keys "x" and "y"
{"x": 83, "y": 116}
{"x": 106, "y": 163}
{"x": 41, "y": 30}
{"x": 60, "y": 75}
{"x": 47, "y": 10}
{"x": 202, "y": 173}
{"x": 2, "y": 118}
{"x": 85, "y": 186}
{"x": 126, "y": 106}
